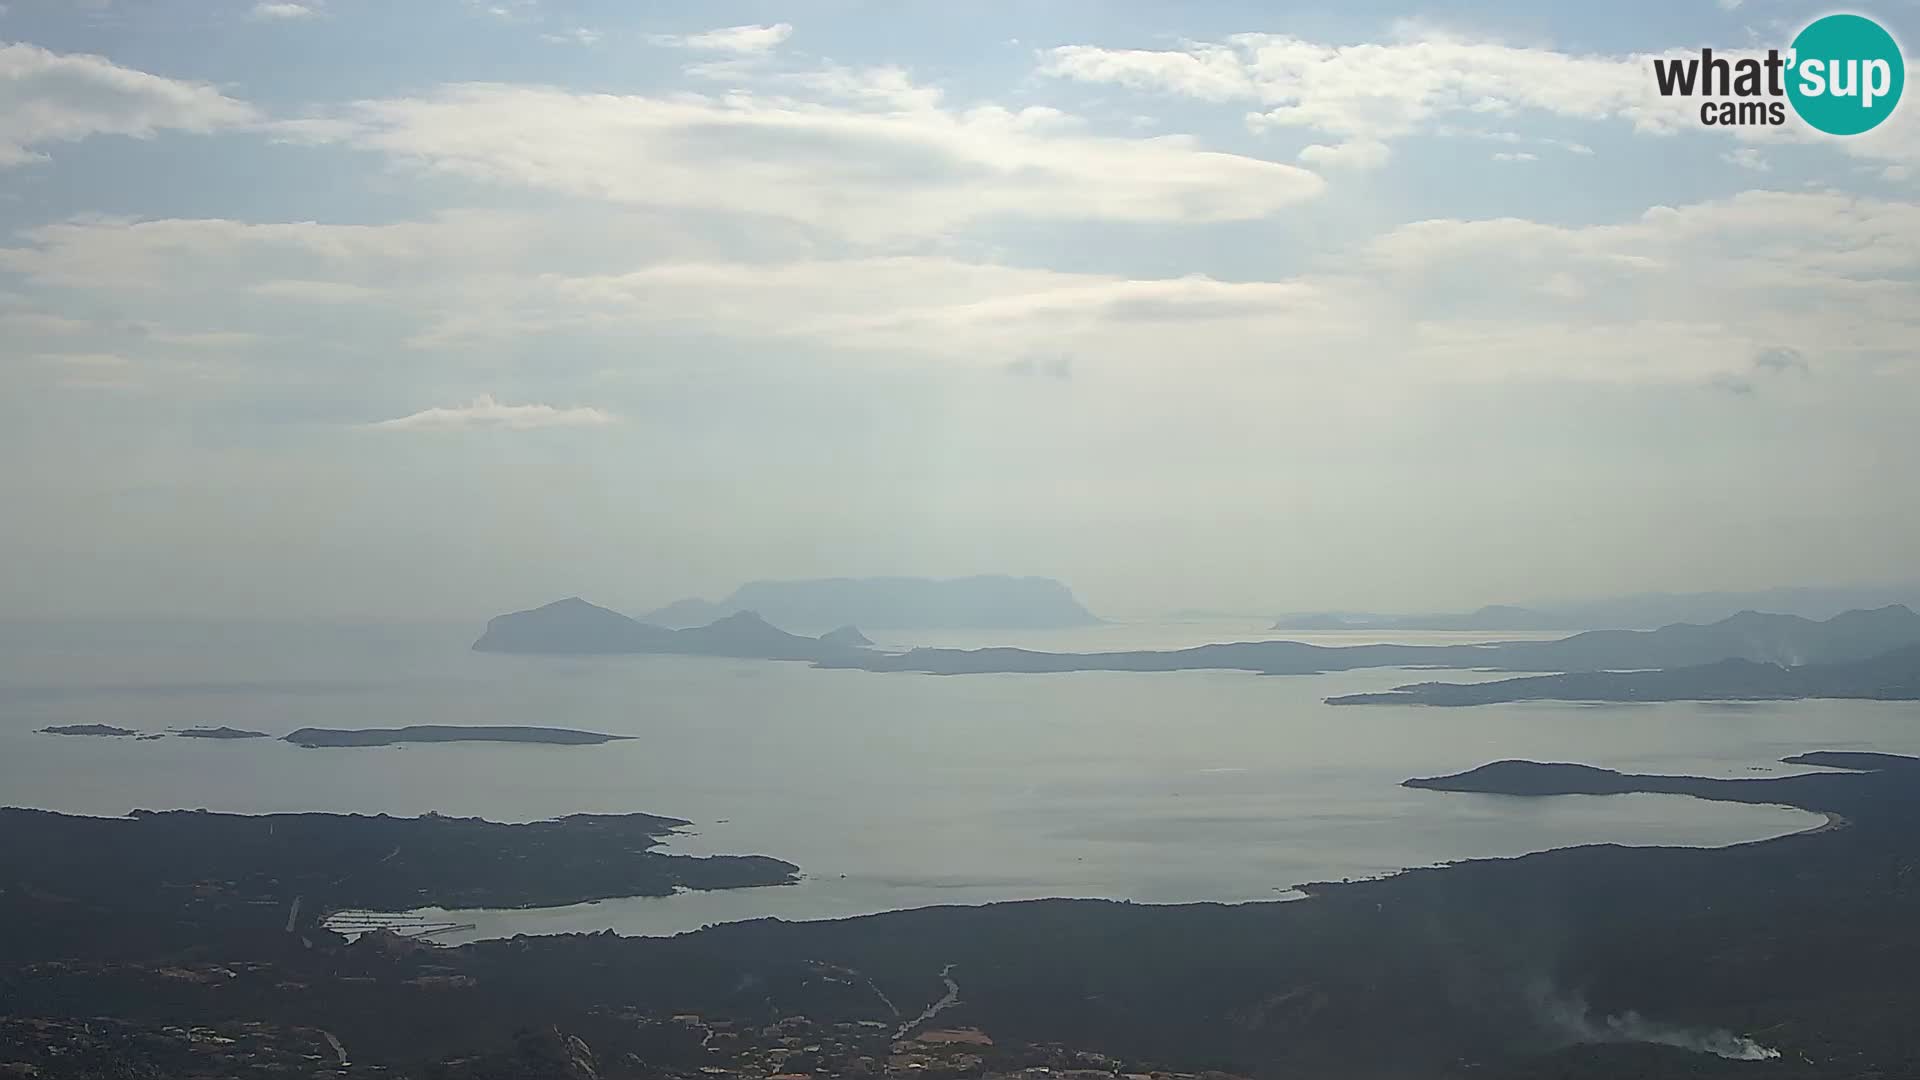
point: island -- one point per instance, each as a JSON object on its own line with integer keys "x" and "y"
{"x": 441, "y": 733}
{"x": 1892, "y": 676}
{"x": 97, "y": 730}
{"x": 1635, "y": 612}
{"x": 982, "y": 602}
{"x": 221, "y": 733}
{"x": 1750, "y": 636}
{"x": 848, "y": 636}
{"x": 577, "y": 628}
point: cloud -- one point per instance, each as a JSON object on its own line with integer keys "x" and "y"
{"x": 42, "y": 324}
{"x": 579, "y": 35}
{"x": 506, "y": 10}
{"x": 1780, "y": 358}
{"x": 1771, "y": 361}
{"x": 748, "y": 40}
{"x": 91, "y": 370}
{"x": 485, "y": 413}
{"x": 1051, "y": 367}
{"x": 314, "y": 292}
{"x": 1361, "y": 154}
{"x": 282, "y": 11}
{"x": 1515, "y": 155}
{"x": 866, "y": 156}
{"x": 1381, "y": 91}
{"x": 1428, "y": 81}
{"x": 64, "y": 97}
{"x": 1675, "y": 295}
{"x": 1746, "y": 157}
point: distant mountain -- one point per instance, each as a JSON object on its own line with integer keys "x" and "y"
{"x": 1810, "y": 602}
{"x": 1495, "y": 618}
{"x": 1637, "y": 612}
{"x": 572, "y": 626}
{"x": 1749, "y": 635}
{"x": 892, "y": 603}
{"x": 575, "y": 627}
{"x": 1769, "y": 639}
{"x": 682, "y": 614}
{"x": 1893, "y": 676}
{"x": 849, "y": 636}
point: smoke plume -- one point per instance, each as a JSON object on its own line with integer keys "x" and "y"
{"x": 1571, "y": 1017}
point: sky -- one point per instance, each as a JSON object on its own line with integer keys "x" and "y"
{"x": 449, "y": 307}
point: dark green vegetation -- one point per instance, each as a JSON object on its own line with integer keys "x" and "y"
{"x": 435, "y": 733}
{"x": 1503, "y": 968}
{"x": 83, "y": 885}
{"x": 1893, "y": 676}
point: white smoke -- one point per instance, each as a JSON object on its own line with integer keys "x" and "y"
{"x": 1571, "y": 1017}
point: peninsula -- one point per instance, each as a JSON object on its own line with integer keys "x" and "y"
{"x": 1749, "y": 636}
{"x": 1892, "y": 676}
{"x": 440, "y": 733}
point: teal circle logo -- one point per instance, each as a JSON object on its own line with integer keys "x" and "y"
{"x": 1847, "y": 74}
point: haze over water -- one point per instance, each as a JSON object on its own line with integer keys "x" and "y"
{"x": 889, "y": 790}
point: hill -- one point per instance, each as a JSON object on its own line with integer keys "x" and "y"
{"x": 576, "y": 627}
{"x": 1893, "y": 676}
{"x": 1751, "y": 636}
{"x": 892, "y": 603}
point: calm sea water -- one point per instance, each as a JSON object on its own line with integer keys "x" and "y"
{"x": 890, "y": 791}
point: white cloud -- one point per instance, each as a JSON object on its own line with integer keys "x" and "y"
{"x": 1515, "y": 155}
{"x": 1746, "y": 157}
{"x": 486, "y": 413}
{"x": 315, "y": 292}
{"x": 1428, "y": 81}
{"x": 90, "y": 370}
{"x": 42, "y": 324}
{"x": 579, "y": 35}
{"x": 748, "y": 40}
{"x": 63, "y": 97}
{"x": 1677, "y": 294}
{"x": 282, "y": 11}
{"x": 868, "y": 156}
{"x": 1381, "y": 91}
{"x": 204, "y": 339}
{"x": 1360, "y": 154}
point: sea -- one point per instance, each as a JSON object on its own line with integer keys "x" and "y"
{"x": 889, "y": 790}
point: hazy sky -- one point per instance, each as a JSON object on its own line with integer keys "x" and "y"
{"x": 452, "y": 306}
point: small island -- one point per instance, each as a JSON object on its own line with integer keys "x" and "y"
{"x": 221, "y": 733}
{"x": 1855, "y": 784}
{"x": 98, "y": 730}
{"x": 441, "y": 733}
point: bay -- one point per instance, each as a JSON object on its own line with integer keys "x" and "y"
{"x": 889, "y": 790}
